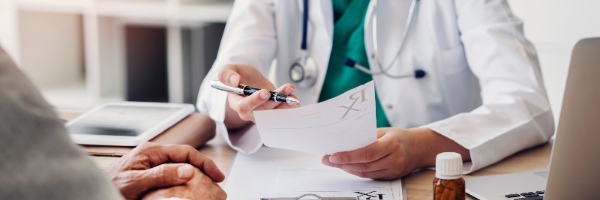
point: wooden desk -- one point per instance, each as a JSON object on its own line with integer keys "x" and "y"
{"x": 418, "y": 184}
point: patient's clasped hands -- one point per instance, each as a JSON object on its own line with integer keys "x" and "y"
{"x": 155, "y": 171}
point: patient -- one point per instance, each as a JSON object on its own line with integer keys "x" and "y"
{"x": 38, "y": 160}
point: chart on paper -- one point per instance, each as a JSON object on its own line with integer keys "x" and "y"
{"x": 344, "y": 123}
{"x": 327, "y": 182}
{"x": 279, "y": 173}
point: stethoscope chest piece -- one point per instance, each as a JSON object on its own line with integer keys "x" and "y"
{"x": 304, "y": 72}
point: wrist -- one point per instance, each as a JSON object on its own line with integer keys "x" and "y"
{"x": 432, "y": 143}
{"x": 424, "y": 143}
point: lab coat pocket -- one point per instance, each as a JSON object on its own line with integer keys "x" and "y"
{"x": 452, "y": 60}
{"x": 460, "y": 86}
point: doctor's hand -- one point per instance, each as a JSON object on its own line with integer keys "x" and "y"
{"x": 240, "y": 108}
{"x": 150, "y": 166}
{"x": 395, "y": 154}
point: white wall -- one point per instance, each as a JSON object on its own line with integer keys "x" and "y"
{"x": 51, "y": 48}
{"x": 554, "y": 26}
{"x": 8, "y": 27}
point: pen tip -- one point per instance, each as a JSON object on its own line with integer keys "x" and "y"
{"x": 292, "y": 101}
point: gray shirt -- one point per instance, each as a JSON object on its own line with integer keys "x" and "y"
{"x": 37, "y": 158}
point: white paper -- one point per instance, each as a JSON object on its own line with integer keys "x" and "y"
{"x": 270, "y": 173}
{"x": 322, "y": 180}
{"x": 344, "y": 123}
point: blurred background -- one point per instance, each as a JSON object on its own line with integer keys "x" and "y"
{"x": 82, "y": 53}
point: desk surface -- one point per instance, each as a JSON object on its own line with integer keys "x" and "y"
{"x": 418, "y": 184}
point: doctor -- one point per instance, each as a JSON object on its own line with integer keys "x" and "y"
{"x": 451, "y": 75}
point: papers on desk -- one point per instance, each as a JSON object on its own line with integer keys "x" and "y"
{"x": 273, "y": 172}
{"x": 344, "y": 123}
{"x": 295, "y": 180}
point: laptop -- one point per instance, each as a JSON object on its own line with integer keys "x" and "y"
{"x": 574, "y": 171}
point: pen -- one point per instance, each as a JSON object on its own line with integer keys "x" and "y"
{"x": 247, "y": 90}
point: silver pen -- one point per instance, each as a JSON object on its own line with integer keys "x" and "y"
{"x": 247, "y": 91}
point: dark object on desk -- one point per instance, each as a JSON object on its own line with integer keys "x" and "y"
{"x": 532, "y": 198}
{"x": 526, "y": 194}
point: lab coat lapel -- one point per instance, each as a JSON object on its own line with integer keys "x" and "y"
{"x": 391, "y": 20}
{"x": 321, "y": 15}
{"x": 326, "y": 15}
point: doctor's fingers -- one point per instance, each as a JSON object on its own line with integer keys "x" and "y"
{"x": 376, "y": 165}
{"x": 370, "y": 153}
{"x": 246, "y": 105}
{"x": 235, "y": 74}
{"x": 287, "y": 105}
{"x": 229, "y": 77}
{"x": 287, "y": 89}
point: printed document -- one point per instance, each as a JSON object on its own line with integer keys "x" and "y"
{"x": 296, "y": 180}
{"x": 279, "y": 173}
{"x": 344, "y": 123}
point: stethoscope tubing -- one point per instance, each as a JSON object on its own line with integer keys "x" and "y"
{"x": 303, "y": 45}
{"x": 304, "y": 57}
{"x": 409, "y": 20}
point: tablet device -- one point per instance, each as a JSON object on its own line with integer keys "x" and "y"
{"x": 126, "y": 123}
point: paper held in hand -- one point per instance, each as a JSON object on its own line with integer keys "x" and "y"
{"x": 344, "y": 123}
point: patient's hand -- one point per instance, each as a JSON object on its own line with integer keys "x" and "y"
{"x": 200, "y": 187}
{"x": 150, "y": 166}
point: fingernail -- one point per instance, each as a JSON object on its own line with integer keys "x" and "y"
{"x": 334, "y": 159}
{"x": 233, "y": 79}
{"x": 185, "y": 172}
{"x": 289, "y": 90}
{"x": 296, "y": 105}
{"x": 264, "y": 95}
{"x": 326, "y": 163}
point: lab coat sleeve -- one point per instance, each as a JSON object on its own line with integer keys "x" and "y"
{"x": 515, "y": 113}
{"x": 249, "y": 38}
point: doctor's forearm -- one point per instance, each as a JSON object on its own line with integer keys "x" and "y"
{"x": 432, "y": 143}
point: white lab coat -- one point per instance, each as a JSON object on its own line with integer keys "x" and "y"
{"x": 483, "y": 88}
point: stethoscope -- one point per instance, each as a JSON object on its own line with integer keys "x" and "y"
{"x": 303, "y": 71}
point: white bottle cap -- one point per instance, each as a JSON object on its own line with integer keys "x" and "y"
{"x": 448, "y": 165}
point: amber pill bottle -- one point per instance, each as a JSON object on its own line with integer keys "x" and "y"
{"x": 448, "y": 183}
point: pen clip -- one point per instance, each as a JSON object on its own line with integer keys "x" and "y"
{"x": 220, "y": 86}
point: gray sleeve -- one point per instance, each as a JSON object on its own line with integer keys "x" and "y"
{"x": 37, "y": 158}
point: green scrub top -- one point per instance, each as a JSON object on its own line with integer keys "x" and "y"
{"x": 348, "y": 41}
